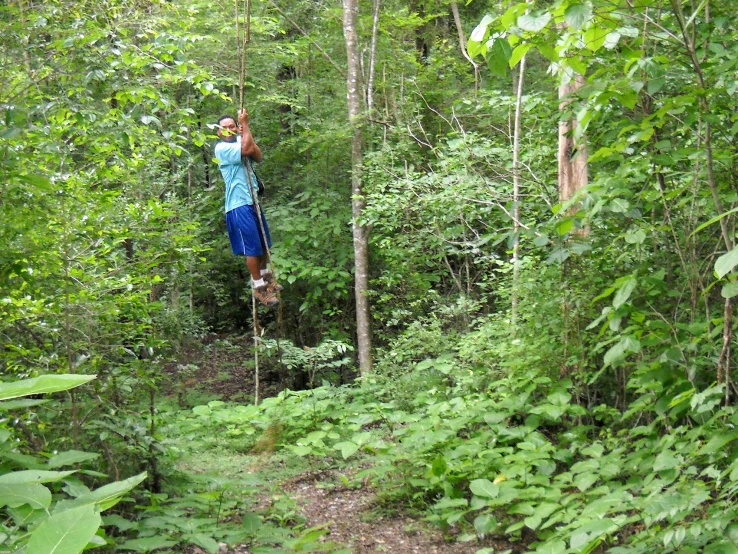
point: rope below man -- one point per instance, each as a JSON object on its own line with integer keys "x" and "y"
{"x": 245, "y": 233}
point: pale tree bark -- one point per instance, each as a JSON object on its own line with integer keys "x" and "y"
{"x": 462, "y": 44}
{"x": 516, "y": 195}
{"x": 372, "y": 60}
{"x": 572, "y": 157}
{"x": 361, "y": 235}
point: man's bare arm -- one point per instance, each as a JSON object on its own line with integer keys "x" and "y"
{"x": 248, "y": 144}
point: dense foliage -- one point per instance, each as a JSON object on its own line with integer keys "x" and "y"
{"x": 597, "y": 417}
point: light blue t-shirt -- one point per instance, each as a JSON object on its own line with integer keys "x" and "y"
{"x": 237, "y": 190}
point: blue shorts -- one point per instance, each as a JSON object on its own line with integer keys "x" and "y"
{"x": 245, "y": 233}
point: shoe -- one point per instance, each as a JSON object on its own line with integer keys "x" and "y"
{"x": 265, "y": 296}
{"x": 272, "y": 282}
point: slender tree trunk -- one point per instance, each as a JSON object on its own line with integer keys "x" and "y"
{"x": 723, "y": 368}
{"x": 572, "y": 157}
{"x": 361, "y": 235}
{"x": 372, "y": 60}
{"x": 516, "y": 195}
{"x": 462, "y": 44}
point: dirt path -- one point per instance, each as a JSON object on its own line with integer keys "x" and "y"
{"x": 344, "y": 511}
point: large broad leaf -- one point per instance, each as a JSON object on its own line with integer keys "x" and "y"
{"x": 619, "y": 351}
{"x": 65, "y": 533}
{"x": 577, "y": 15}
{"x": 534, "y": 23}
{"x": 479, "y": 33}
{"x": 33, "y": 476}
{"x": 730, "y": 290}
{"x": 36, "y": 496}
{"x": 725, "y": 263}
{"x": 499, "y": 56}
{"x": 485, "y": 524}
{"x": 42, "y": 385}
{"x": 347, "y": 448}
{"x": 71, "y": 457}
{"x": 20, "y": 404}
{"x": 251, "y": 522}
{"x": 484, "y": 488}
{"x": 104, "y": 497}
{"x": 203, "y": 541}
{"x": 624, "y": 292}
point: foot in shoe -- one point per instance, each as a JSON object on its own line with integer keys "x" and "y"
{"x": 272, "y": 282}
{"x": 265, "y": 296}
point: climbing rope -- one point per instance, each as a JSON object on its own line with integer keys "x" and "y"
{"x": 243, "y": 39}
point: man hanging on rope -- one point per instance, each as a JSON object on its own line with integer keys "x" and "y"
{"x": 247, "y": 237}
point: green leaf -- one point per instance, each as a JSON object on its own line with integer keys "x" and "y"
{"x": 635, "y": 237}
{"x": 722, "y": 547}
{"x": 484, "y": 488}
{"x": 485, "y": 524}
{"x": 585, "y": 480}
{"x": 552, "y": 547}
{"x": 594, "y": 38}
{"x": 577, "y": 15}
{"x": 541, "y": 240}
{"x": 618, "y": 352}
{"x": 564, "y": 226}
{"x": 725, "y": 263}
{"x": 439, "y": 466}
{"x": 33, "y": 476}
{"x": 204, "y": 541}
{"x": 119, "y": 522}
{"x": 71, "y": 457}
{"x": 20, "y": 404}
{"x": 201, "y": 410}
{"x": 518, "y": 53}
{"x": 624, "y": 292}
{"x": 611, "y": 40}
{"x": 148, "y": 544}
{"x": 499, "y": 56}
{"x": 730, "y": 290}
{"x": 713, "y": 220}
{"x": 65, "y": 533}
{"x": 105, "y": 497}
{"x": 251, "y": 522}
{"x": 36, "y": 496}
{"x": 347, "y": 448}
{"x": 534, "y": 23}
{"x": 301, "y": 450}
{"x": 717, "y": 442}
{"x": 42, "y": 385}
{"x": 479, "y": 34}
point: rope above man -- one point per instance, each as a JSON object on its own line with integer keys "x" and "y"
{"x": 247, "y": 237}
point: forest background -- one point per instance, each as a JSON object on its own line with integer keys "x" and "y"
{"x": 545, "y": 194}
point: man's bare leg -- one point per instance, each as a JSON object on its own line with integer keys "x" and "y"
{"x": 255, "y": 264}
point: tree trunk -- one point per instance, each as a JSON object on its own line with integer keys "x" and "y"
{"x": 372, "y": 60}
{"x": 516, "y": 195}
{"x": 572, "y": 157}
{"x": 361, "y": 235}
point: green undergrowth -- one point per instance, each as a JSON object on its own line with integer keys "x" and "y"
{"x": 518, "y": 458}
{"x": 220, "y": 491}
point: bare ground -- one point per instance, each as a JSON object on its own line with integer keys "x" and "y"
{"x": 346, "y": 513}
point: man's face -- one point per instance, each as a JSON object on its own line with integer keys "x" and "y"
{"x": 228, "y": 130}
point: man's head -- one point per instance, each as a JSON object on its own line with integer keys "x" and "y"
{"x": 227, "y": 128}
